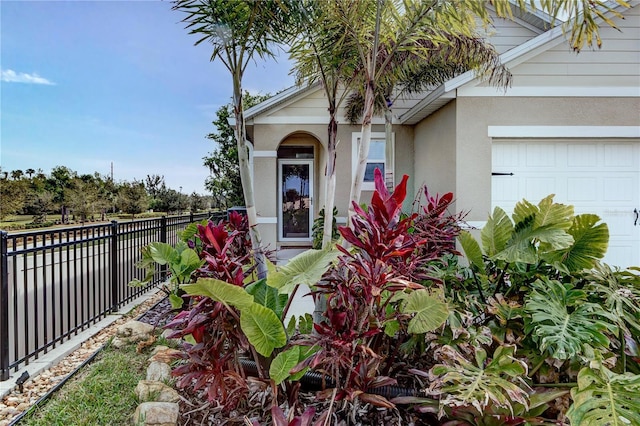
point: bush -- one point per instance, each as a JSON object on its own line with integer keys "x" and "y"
{"x": 33, "y": 225}
{"x": 534, "y": 330}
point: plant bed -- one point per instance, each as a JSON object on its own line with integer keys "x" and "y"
{"x": 530, "y": 329}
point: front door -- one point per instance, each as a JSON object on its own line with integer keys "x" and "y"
{"x": 295, "y": 199}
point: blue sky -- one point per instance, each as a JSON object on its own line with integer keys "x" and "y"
{"x": 88, "y": 83}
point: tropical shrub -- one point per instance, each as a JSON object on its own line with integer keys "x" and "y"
{"x": 529, "y": 328}
{"x": 535, "y": 296}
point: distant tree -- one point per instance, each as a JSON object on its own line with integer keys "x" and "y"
{"x": 17, "y": 174}
{"x": 154, "y": 184}
{"x": 83, "y": 198}
{"x": 132, "y": 198}
{"x": 59, "y": 181}
{"x": 196, "y": 202}
{"x": 40, "y": 204}
{"x": 167, "y": 200}
{"x": 107, "y": 196}
{"x": 224, "y": 182}
{"x": 12, "y": 194}
{"x": 30, "y": 172}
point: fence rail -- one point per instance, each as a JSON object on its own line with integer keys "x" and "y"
{"x": 56, "y": 283}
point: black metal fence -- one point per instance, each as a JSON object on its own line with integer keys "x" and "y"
{"x": 57, "y": 282}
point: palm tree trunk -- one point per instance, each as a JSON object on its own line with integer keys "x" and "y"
{"x": 363, "y": 150}
{"x": 246, "y": 178}
{"x": 367, "y": 115}
{"x": 389, "y": 172}
{"x": 330, "y": 182}
{"x": 329, "y": 202}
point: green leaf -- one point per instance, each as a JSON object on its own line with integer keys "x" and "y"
{"x": 496, "y": 232}
{"x": 524, "y": 210}
{"x": 305, "y": 268}
{"x": 391, "y": 327}
{"x": 463, "y": 383}
{"x": 176, "y": 301}
{"x": 605, "y": 398}
{"x": 283, "y": 363}
{"x": 162, "y": 253}
{"x": 556, "y": 214}
{"x": 619, "y": 293}
{"x": 590, "y": 243}
{"x": 189, "y": 262}
{"x": 522, "y": 246}
{"x": 562, "y": 321}
{"x": 286, "y": 360}
{"x": 430, "y": 311}
{"x": 220, "y": 291}
{"x": 263, "y": 328}
{"x": 471, "y": 249}
{"x": 267, "y": 296}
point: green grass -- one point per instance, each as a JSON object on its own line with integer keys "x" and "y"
{"x": 101, "y": 394}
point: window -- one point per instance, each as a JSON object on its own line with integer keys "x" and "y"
{"x": 379, "y": 157}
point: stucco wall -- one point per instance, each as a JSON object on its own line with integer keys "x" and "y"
{"x": 435, "y": 151}
{"x": 475, "y": 114}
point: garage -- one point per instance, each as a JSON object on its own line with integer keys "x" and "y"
{"x": 594, "y": 175}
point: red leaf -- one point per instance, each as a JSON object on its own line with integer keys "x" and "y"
{"x": 381, "y": 188}
{"x": 377, "y": 400}
{"x": 400, "y": 192}
{"x": 277, "y": 416}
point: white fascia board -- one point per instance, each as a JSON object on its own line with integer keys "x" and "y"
{"x": 550, "y": 91}
{"x": 563, "y": 131}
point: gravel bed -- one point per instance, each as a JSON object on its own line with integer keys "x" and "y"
{"x": 16, "y": 402}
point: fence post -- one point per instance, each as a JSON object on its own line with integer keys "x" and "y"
{"x": 163, "y": 239}
{"x": 163, "y": 229}
{"x": 4, "y": 308}
{"x": 115, "y": 302}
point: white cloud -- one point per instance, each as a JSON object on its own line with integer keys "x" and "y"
{"x": 10, "y": 76}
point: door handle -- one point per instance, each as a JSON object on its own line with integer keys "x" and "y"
{"x": 637, "y": 213}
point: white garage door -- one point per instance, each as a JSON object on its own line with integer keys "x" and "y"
{"x": 595, "y": 176}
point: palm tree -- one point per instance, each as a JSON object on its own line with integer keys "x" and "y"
{"x": 17, "y": 174}
{"x": 239, "y": 31}
{"x": 322, "y": 55}
{"x": 411, "y": 74}
{"x": 400, "y": 27}
{"x": 30, "y": 172}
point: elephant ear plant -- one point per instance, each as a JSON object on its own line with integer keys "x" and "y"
{"x": 181, "y": 262}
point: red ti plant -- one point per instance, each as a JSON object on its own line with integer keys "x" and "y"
{"x": 214, "y": 340}
{"x": 360, "y": 300}
{"x": 437, "y": 230}
{"x": 224, "y": 251}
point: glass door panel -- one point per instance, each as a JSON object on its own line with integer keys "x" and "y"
{"x": 296, "y": 198}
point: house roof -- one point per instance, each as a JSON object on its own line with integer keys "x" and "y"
{"x": 279, "y": 99}
{"x": 440, "y": 96}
